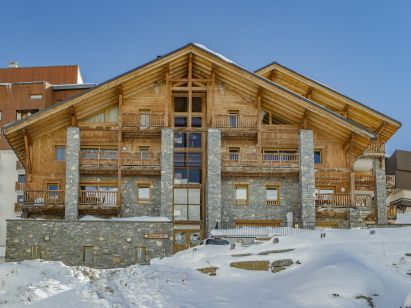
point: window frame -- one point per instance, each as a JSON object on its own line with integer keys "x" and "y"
{"x": 241, "y": 201}
{"x": 276, "y": 202}
{"x": 36, "y": 97}
{"x": 144, "y": 185}
{"x": 321, "y": 156}
{"x": 59, "y": 146}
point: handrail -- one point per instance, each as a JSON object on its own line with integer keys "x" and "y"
{"x": 98, "y": 157}
{"x": 43, "y": 197}
{"x": 143, "y": 119}
{"x": 236, "y": 121}
{"x": 375, "y": 147}
{"x": 335, "y": 199}
{"x": 19, "y": 186}
{"x": 140, "y": 158}
{"x": 97, "y": 198}
{"x": 262, "y": 159}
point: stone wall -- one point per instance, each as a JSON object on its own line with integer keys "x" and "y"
{"x": 213, "y": 185}
{"x": 167, "y": 147}
{"x": 257, "y": 209}
{"x": 130, "y": 206}
{"x": 72, "y": 173}
{"x": 59, "y": 240}
{"x": 307, "y": 177}
{"x": 380, "y": 198}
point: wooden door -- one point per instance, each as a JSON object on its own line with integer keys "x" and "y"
{"x": 184, "y": 239}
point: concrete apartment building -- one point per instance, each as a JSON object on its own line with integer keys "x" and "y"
{"x": 152, "y": 161}
{"x": 25, "y": 91}
{"x": 399, "y": 167}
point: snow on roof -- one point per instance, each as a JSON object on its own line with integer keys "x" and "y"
{"x": 215, "y": 53}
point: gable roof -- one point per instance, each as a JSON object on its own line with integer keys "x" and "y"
{"x": 382, "y": 125}
{"x": 289, "y": 104}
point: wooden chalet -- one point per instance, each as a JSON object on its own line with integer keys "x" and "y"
{"x": 197, "y": 138}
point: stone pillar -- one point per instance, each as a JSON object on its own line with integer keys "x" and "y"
{"x": 213, "y": 185}
{"x": 307, "y": 178}
{"x": 380, "y": 197}
{"x": 167, "y": 143}
{"x": 72, "y": 173}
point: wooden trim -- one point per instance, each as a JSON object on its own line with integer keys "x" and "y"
{"x": 273, "y": 202}
{"x": 241, "y": 201}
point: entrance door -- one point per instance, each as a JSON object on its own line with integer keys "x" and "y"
{"x": 184, "y": 239}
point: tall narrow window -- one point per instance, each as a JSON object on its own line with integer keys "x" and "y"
{"x": 241, "y": 194}
{"x": 144, "y": 152}
{"x": 143, "y": 193}
{"x": 273, "y": 194}
{"x": 234, "y": 153}
{"x": 317, "y": 157}
{"x": 233, "y": 118}
{"x": 60, "y": 152}
{"x": 88, "y": 254}
{"x": 21, "y": 178}
{"x": 144, "y": 118}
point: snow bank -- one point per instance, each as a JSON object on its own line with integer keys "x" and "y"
{"x": 340, "y": 270}
{"x": 403, "y": 218}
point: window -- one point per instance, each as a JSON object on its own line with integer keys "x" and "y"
{"x": 22, "y": 114}
{"x": 269, "y": 118}
{"x": 108, "y": 116}
{"x": 60, "y": 153}
{"x": 317, "y": 157}
{"x": 21, "y": 178}
{"x": 186, "y": 113}
{"x": 20, "y": 198}
{"x": 141, "y": 255}
{"x": 36, "y": 96}
{"x": 234, "y": 153}
{"x": 88, "y": 254}
{"x": 144, "y": 118}
{"x": 144, "y": 150}
{"x": 272, "y": 194}
{"x": 0, "y": 115}
{"x": 53, "y": 194}
{"x": 187, "y": 204}
{"x": 241, "y": 194}
{"x": 233, "y": 118}
{"x": 143, "y": 192}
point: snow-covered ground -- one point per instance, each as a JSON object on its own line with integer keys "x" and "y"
{"x": 347, "y": 268}
{"x": 404, "y": 218}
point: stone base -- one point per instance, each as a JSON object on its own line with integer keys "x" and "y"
{"x": 99, "y": 244}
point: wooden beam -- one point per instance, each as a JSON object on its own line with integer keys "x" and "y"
{"x": 190, "y": 85}
{"x": 308, "y": 93}
{"x": 188, "y": 88}
{"x": 74, "y": 119}
{"x": 273, "y": 74}
{"x": 304, "y": 120}
{"x": 27, "y": 148}
{"x": 344, "y": 112}
{"x": 258, "y": 103}
{"x": 380, "y": 129}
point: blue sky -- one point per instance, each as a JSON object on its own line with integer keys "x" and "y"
{"x": 360, "y": 48}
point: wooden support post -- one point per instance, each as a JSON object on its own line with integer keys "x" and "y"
{"x": 273, "y": 75}
{"x": 304, "y": 120}
{"x": 167, "y": 97}
{"x": 352, "y": 174}
{"x": 74, "y": 120}
{"x": 119, "y": 146}
{"x": 211, "y": 97}
{"x": 27, "y": 147}
{"x": 190, "y": 85}
{"x": 258, "y": 102}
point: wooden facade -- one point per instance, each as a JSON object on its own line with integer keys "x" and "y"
{"x": 191, "y": 90}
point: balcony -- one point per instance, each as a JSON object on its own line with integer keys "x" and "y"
{"x": 237, "y": 125}
{"x": 280, "y": 135}
{"x": 95, "y": 201}
{"x": 375, "y": 149}
{"x": 364, "y": 182}
{"x": 98, "y": 161}
{"x": 342, "y": 200}
{"x": 40, "y": 200}
{"x": 140, "y": 162}
{"x": 253, "y": 163}
{"x": 17, "y": 208}
{"x": 142, "y": 124}
{"x": 19, "y": 186}
{"x": 19, "y": 166}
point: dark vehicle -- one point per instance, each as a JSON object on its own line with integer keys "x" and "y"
{"x": 214, "y": 241}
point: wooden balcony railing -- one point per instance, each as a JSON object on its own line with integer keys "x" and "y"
{"x": 274, "y": 135}
{"x": 235, "y": 121}
{"x": 99, "y": 158}
{"x": 143, "y": 120}
{"x": 41, "y": 197}
{"x": 140, "y": 159}
{"x": 343, "y": 200}
{"x": 376, "y": 148}
{"x": 390, "y": 181}
{"x": 19, "y": 186}
{"x": 19, "y": 166}
{"x": 261, "y": 160}
{"x": 97, "y": 198}
{"x": 335, "y": 200}
{"x": 17, "y": 208}
{"x": 364, "y": 182}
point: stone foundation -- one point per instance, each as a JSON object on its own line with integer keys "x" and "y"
{"x": 110, "y": 244}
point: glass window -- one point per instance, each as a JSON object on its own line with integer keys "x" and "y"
{"x": 265, "y": 117}
{"x": 194, "y": 212}
{"x": 196, "y": 104}
{"x": 143, "y": 191}
{"x": 317, "y": 157}
{"x": 180, "y": 195}
{"x": 180, "y": 211}
{"x": 194, "y": 140}
{"x": 141, "y": 255}
{"x": 194, "y": 195}
{"x": 179, "y": 159}
{"x": 180, "y": 176}
{"x": 60, "y": 152}
{"x": 180, "y": 122}
{"x": 144, "y": 118}
{"x": 20, "y": 198}
{"x": 196, "y": 122}
{"x": 180, "y": 104}
{"x": 21, "y": 178}
{"x": 194, "y": 176}
{"x": 180, "y": 140}
{"x": 233, "y": 119}
{"x": 194, "y": 159}
{"x": 272, "y": 195}
{"x": 52, "y": 186}
{"x": 241, "y": 194}
{"x": 234, "y": 153}
{"x": 144, "y": 150}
